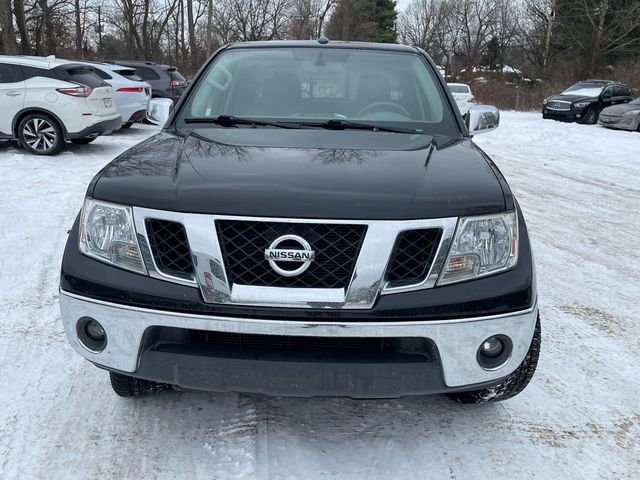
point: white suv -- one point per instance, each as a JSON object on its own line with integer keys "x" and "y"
{"x": 131, "y": 93}
{"x": 46, "y": 102}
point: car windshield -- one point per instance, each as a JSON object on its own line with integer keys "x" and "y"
{"x": 459, "y": 88}
{"x": 315, "y": 84}
{"x": 585, "y": 89}
{"x": 635, "y": 102}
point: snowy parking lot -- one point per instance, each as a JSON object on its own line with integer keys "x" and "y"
{"x": 579, "y": 188}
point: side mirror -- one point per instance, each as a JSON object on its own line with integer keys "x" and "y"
{"x": 482, "y": 119}
{"x": 159, "y": 110}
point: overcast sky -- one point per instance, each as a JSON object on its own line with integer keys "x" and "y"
{"x": 402, "y": 3}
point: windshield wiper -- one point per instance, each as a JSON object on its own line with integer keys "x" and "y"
{"x": 337, "y": 124}
{"x": 230, "y": 121}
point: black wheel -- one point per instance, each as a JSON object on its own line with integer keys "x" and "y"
{"x": 126, "y": 386}
{"x": 83, "y": 141}
{"x": 510, "y": 386}
{"x": 591, "y": 117}
{"x": 127, "y": 125}
{"x": 40, "y": 134}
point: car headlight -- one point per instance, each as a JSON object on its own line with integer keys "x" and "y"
{"x": 482, "y": 246}
{"x": 581, "y": 104}
{"x": 107, "y": 233}
{"x": 631, "y": 113}
{"x": 545, "y": 101}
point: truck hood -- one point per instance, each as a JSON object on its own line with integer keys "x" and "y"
{"x": 567, "y": 97}
{"x": 252, "y": 177}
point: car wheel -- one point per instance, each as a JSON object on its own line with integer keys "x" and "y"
{"x": 127, "y": 125}
{"x": 126, "y": 386}
{"x": 83, "y": 141}
{"x": 591, "y": 117}
{"x": 510, "y": 386}
{"x": 40, "y": 134}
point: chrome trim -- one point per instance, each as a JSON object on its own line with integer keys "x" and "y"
{"x": 147, "y": 254}
{"x": 482, "y": 119}
{"x": 366, "y": 283}
{"x": 439, "y": 260}
{"x": 568, "y": 105}
{"x": 457, "y": 340}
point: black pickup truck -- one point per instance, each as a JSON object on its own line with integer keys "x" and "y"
{"x": 313, "y": 220}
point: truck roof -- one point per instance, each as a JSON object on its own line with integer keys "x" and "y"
{"x": 394, "y": 47}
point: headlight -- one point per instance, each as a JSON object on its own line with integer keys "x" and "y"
{"x": 581, "y": 104}
{"x": 482, "y": 246}
{"x": 545, "y": 101}
{"x": 107, "y": 234}
{"x": 631, "y": 113}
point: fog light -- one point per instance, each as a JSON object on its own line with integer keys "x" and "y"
{"x": 494, "y": 352}
{"x": 91, "y": 334}
{"x": 492, "y": 347}
{"x": 94, "y": 330}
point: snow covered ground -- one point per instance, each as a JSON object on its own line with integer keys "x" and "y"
{"x": 579, "y": 187}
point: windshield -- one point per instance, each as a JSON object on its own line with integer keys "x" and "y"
{"x": 585, "y": 89}
{"x": 459, "y": 88}
{"x": 635, "y": 102}
{"x": 321, "y": 84}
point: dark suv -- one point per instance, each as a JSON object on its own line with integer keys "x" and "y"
{"x": 583, "y": 101}
{"x": 165, "y": 80}
{"x": 314, "y": 219}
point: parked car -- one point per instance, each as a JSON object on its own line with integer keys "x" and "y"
{"x": 583, "y": 101}
{"x": 132, "y": 95}
{"x": 463, "y": 97}
{"x": 46, "y": 102}
{"x": 165, "y": 80}
{"x": 624, "y": 117}
{"x": 290, "y": 233}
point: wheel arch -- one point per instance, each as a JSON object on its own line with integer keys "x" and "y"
{"x": 29, "y": 110}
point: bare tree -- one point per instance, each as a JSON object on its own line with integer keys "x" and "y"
{"x": 609, "y": 26}
{"x": 420, "y": 22}
{"x": 476, "y": 19}
{"x": 7, "y": 38}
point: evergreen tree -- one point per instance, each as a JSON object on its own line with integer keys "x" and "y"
{"x": 364, "y": 20}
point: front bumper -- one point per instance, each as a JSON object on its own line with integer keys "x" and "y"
{"x": 454, "y": 366}
{"x": 572, "y": 115}
{"x": 619, "y": 123}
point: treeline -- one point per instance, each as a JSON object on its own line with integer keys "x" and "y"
{"x": 545, "y": 39}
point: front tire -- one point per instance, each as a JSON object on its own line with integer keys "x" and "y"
{"x": 591, "y": 117}
{"x": 40, "y": 134}
{"x": 510, "y": 386}
{"x": 128, "y": 387}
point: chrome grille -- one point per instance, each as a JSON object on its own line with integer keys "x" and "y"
{"x": 559, "y": 105}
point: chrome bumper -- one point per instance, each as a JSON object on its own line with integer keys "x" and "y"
{"x": 457, "y": 340}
